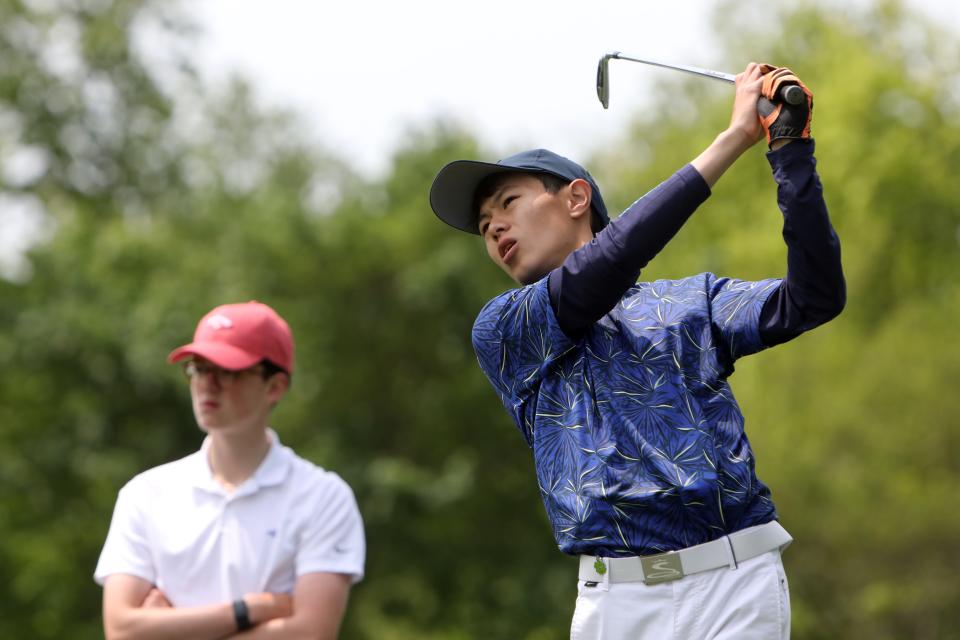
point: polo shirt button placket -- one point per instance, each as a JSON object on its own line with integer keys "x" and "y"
{"x": 225, "y": 516}
{"x": 229, "y": 531}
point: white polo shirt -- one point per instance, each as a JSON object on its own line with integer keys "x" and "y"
{"x": 177, "y": 528}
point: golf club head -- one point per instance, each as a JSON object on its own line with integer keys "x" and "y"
{"x": 603, "y": 79}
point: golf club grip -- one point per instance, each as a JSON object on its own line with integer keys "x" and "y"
{"x": 792, "y": 94}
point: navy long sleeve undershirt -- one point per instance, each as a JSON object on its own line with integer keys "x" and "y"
{"x": 594, "y": 277}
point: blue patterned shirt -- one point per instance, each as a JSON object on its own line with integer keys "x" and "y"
{"x": 638, "y": 441}
{"x": 621, "y": 388}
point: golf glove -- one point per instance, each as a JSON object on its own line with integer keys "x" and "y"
{"x": 779, "y": 119}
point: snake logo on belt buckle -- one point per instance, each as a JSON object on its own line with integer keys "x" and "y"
{"x": 662, "y": 567}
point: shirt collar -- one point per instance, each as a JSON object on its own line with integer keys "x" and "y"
{"x": 272, "y": 471}
{"x": 275, "y": 466}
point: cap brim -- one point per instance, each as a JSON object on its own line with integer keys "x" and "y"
{"x": 451, "y": 195}
{"x": 219, "y": 353}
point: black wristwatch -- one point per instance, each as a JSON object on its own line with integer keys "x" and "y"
{"x": 241, "y": 614}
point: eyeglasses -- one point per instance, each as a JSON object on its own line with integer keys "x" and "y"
{"x": 223, "y": 377}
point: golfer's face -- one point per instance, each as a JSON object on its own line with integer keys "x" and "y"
{"x": 527, "y": 230}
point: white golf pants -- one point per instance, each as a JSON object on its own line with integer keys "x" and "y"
{"x": 751, "y": 602}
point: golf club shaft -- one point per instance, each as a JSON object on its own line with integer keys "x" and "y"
{"x": 708, "y": 73}
{"x": 790, "y": 94}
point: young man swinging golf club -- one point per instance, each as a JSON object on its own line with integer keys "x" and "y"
{"x": 620, "y": 388}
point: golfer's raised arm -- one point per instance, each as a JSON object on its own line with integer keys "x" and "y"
{"x": 814, "y": 290}
{"x": 595, "y": 276}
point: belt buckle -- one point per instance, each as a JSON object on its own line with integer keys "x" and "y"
{"x": 663, "y": 567}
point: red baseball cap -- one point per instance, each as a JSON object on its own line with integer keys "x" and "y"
{"x": 238, "y": 336}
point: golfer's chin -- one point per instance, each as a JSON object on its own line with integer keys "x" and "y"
{"x": 525, "y": 274}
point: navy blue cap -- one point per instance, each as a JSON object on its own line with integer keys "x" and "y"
{"x": 451, "y": 195}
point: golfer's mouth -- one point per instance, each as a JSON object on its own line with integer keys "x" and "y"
{"x": 507, "y": 249}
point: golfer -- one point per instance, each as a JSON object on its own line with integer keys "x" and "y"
{"x": 243, "y": 535}
{"x": 621, "y": 388}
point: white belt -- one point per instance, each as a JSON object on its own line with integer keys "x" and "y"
{"x": 673, "y": 565}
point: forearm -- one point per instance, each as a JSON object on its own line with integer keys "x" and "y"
{"x": 721, "y": 154}
{"x": 814, "y": 290}
{"x": 287, "y": 629}
{"x": 320, "y": 623}
{"x": 319, "y": 602}
{"x": 209, "y": 622}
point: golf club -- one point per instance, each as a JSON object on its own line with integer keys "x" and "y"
{"x": 791, "y": 94}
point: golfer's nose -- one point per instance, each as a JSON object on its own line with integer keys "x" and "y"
{"x": 498, "y": 225}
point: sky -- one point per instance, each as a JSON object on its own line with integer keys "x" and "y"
{"x": 517, "y": 73}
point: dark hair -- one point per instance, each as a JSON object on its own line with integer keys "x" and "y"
{"x": 552, "y": 183}
{"x": 270, "y": 369}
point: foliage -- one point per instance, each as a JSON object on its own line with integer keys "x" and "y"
{"x": 162, "y": 199}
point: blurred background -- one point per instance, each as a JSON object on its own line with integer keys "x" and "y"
{"x": 154, "y": 164}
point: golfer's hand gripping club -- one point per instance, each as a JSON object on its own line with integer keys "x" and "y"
{"x": 781, "y": 119}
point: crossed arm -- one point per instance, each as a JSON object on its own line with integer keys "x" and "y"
{"x": 133, "y": 608}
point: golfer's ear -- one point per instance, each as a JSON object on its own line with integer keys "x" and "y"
{"x": 579, "y": 197}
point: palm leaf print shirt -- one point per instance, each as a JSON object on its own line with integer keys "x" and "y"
{"x": 620, "y": 388}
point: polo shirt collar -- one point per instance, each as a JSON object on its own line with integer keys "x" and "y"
{"x": 272, "y": 471}
{"x": 275, "y": 466}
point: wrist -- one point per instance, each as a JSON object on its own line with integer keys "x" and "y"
{"x": 722, "y": 153}
{"x": 780, "y": 143}
{"x": 737, "y": 139}
{"x": 241, "y": 615}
